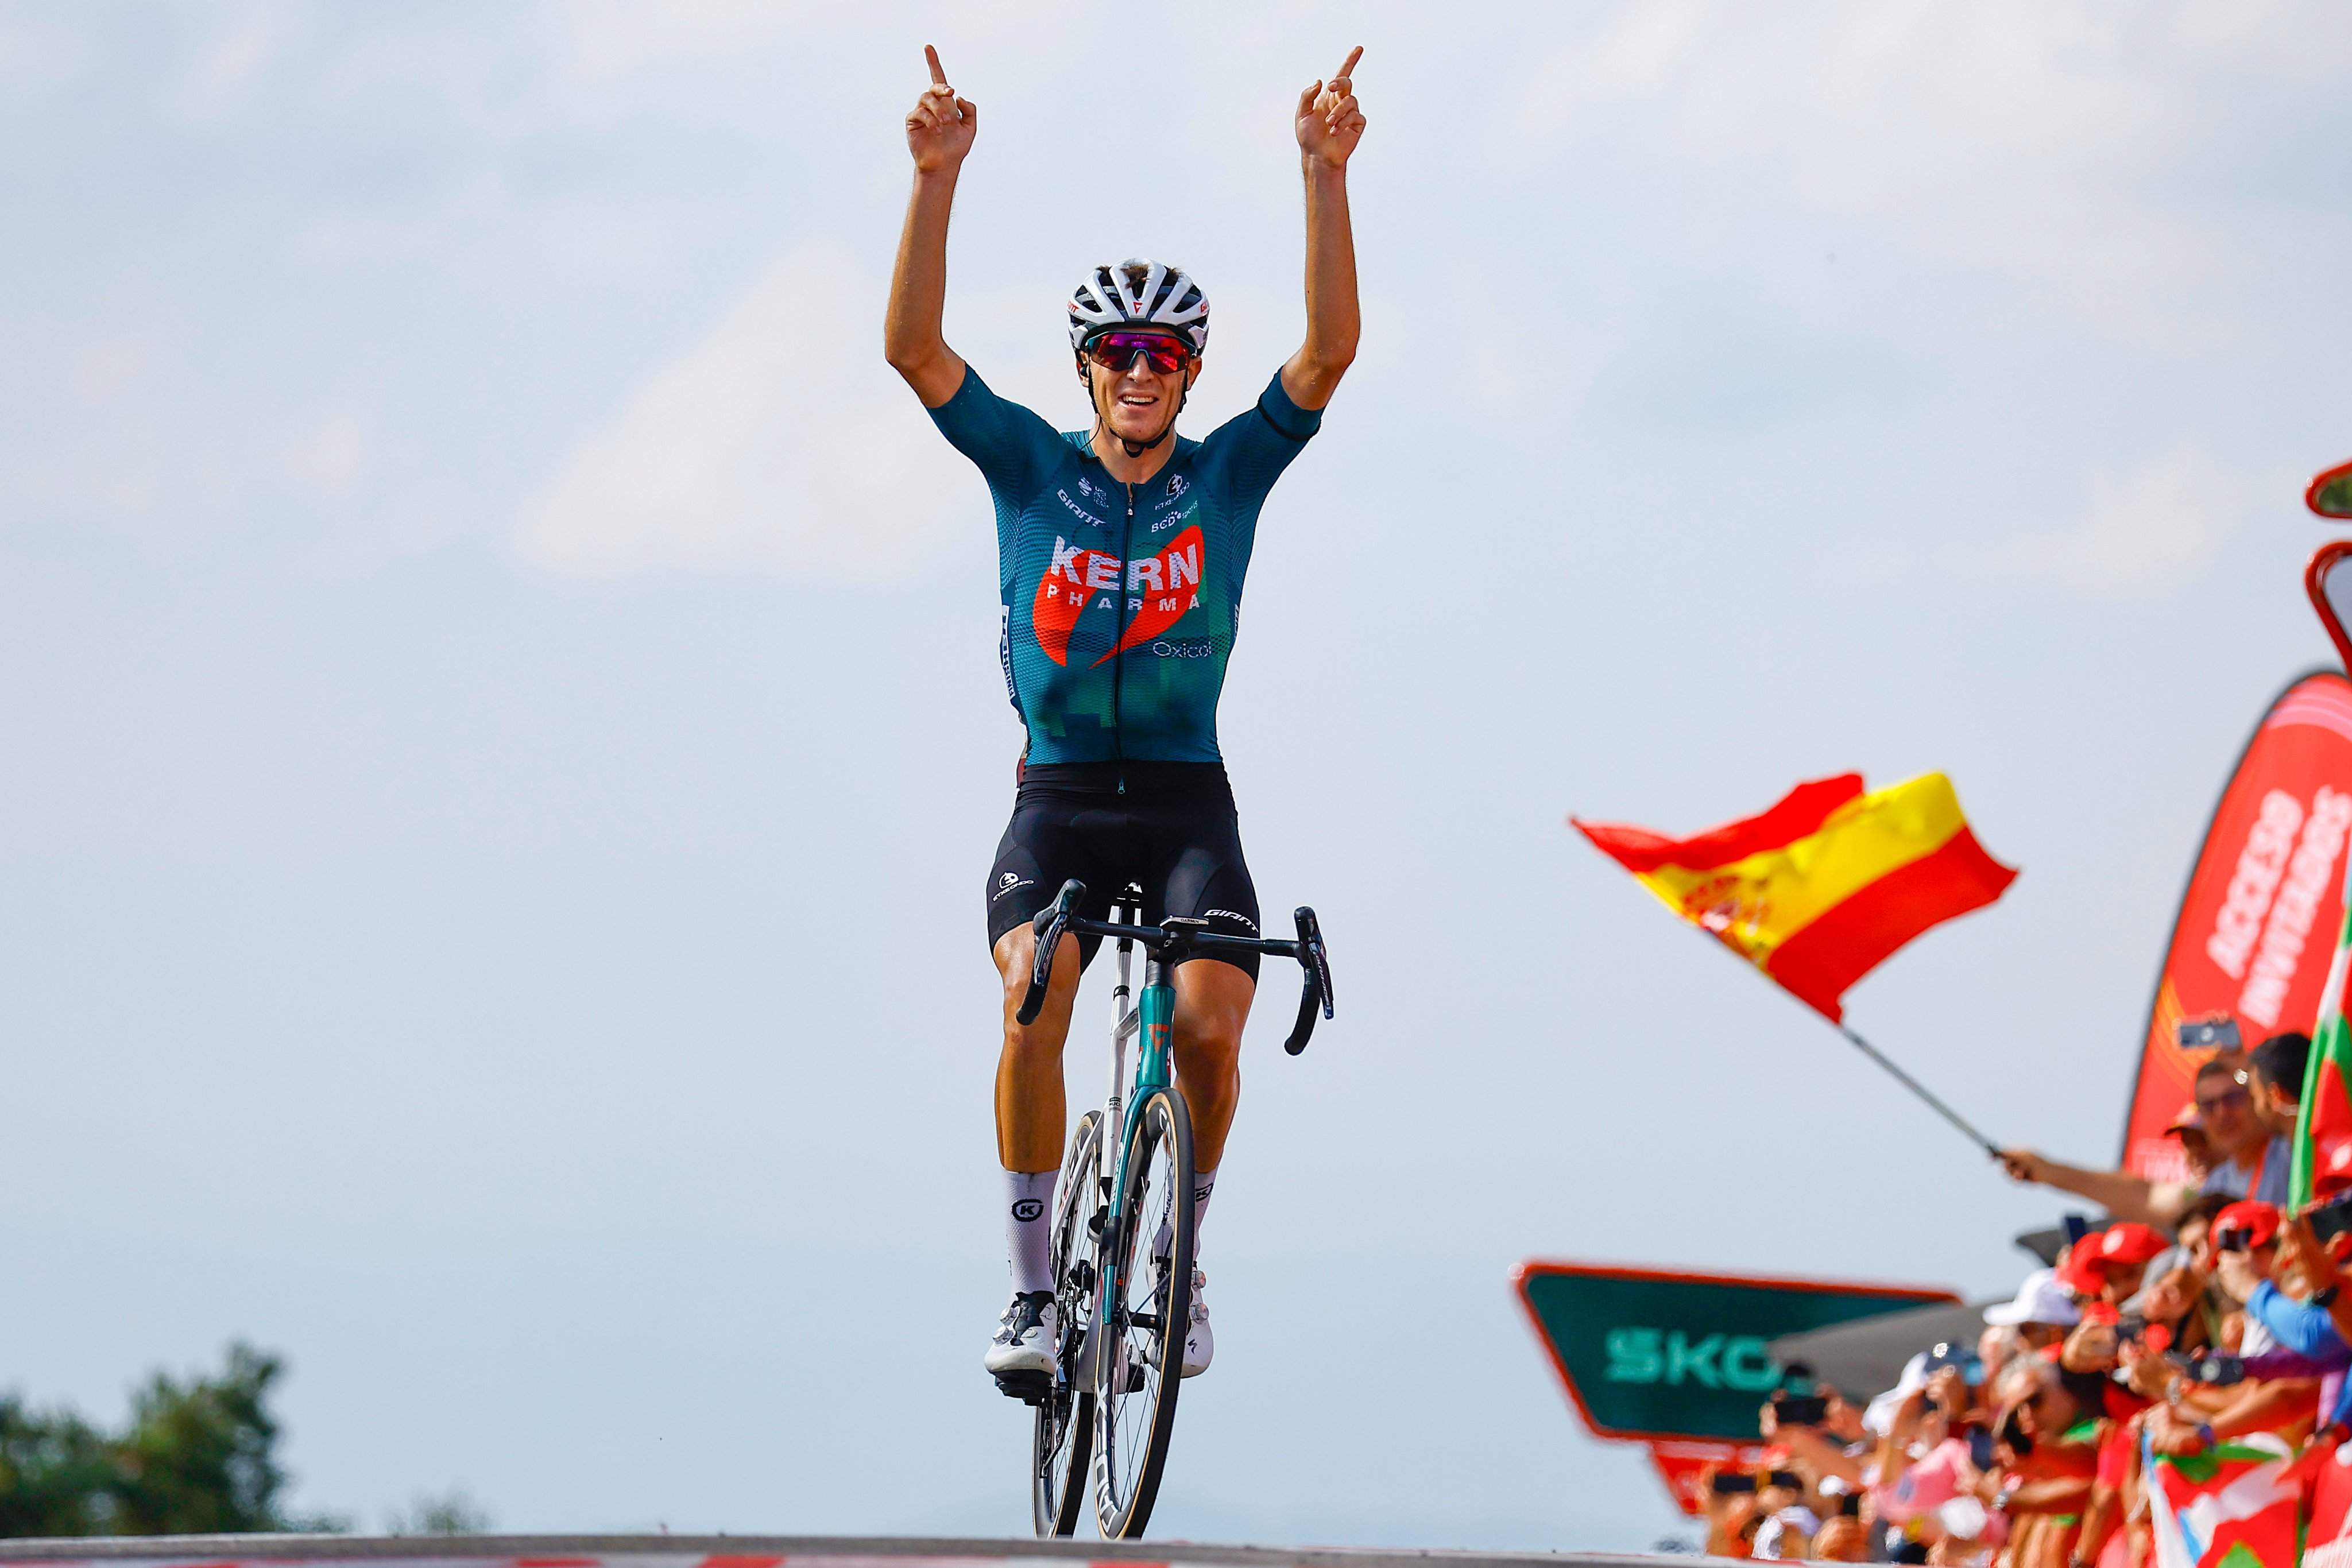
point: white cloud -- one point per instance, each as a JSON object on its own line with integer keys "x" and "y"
{"x": 779, "y": 443}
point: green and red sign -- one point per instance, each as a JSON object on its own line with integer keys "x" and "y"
{"x": 1682, "y": 1361}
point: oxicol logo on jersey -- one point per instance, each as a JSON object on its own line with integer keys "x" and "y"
{"x": 1159, "y": 587}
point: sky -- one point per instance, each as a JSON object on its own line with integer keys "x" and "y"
{"x": 503, "y": 735}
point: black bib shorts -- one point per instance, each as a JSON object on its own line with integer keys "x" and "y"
{"x": 1172, "y": 830}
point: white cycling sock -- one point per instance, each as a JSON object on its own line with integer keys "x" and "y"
{"x": 1029, "y": 1229}
{"x": 1203, "y": 1183}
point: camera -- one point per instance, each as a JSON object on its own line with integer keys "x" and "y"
{"x": 2218, "y": 1370}
{"x": 2332, "y": 1218}
{"x": 2207, "y": 1034}
{"x": 1801, "y": 1409}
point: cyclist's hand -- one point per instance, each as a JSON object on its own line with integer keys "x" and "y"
{"x": 939, "y": 126}
{"x": 1330, "y": 123}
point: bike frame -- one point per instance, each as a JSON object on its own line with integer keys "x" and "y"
{"x": 1151, "y": 1021}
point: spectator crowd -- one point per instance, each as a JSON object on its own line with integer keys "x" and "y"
{"x": 2200, "y": 1313}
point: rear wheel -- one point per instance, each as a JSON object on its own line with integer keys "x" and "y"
{"x": 1140, "y": 1367}
{"x": 1063, "y": 1431}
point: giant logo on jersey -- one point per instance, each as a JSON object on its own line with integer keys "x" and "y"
{"x": 1160, "y": 589}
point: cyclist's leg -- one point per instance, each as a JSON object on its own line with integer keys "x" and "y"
{"x": 1042, "y": 847}
{"x": 1207, "y": 879}
{"x": 1031, "y": 1105}
{"x": 1212, "y": 1004}
{"x": 1050, "y": 839}
{"x": 1209, "y": 882}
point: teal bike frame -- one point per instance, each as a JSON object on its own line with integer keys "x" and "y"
{"x": 1149, "y": 1022}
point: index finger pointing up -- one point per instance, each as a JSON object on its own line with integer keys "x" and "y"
{"x": 1348, "y": 68}
{"x": 938, "y": 72}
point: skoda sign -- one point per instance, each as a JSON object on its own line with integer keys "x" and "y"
{"x": 1653, "y": 1353}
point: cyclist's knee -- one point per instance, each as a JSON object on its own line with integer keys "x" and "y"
{"x": 1212, "y": 1004}
{"x": 1212, "y": 1040}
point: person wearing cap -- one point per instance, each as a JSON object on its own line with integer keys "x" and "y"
{"x": 2108, "y": 1265}
{"x": 1924, "y": 1461}
{"x": 2188, "y": 1129}
{"x": 2042, "y": 1311}
{"x": 2087, "y": 1365}
{"x": 2244, "y": 1235}
{"x": 2304, "y": 1329}
{"x": 2252, "y": 1158}
{"x": 2283, "y": 1389}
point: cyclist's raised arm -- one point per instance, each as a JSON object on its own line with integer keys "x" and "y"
{"x": 938, "y": 133}
{"x": 1329, "y": 126}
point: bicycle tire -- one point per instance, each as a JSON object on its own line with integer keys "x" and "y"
{"x": 1141, "y": 1364}
{"x": 1062, "y": 1434}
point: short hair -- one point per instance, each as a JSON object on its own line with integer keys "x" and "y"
{"x": 2281, "y": 1061}
{"x": 2204, "y": 1207}
{"x": 2220, "y": 1067}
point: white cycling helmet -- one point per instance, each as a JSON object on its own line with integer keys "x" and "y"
{"x": 1138, "y": 293}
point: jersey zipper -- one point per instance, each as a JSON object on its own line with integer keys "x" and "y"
{"x": 1118, "y": 652}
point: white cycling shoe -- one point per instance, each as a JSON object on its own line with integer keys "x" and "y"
{"x": 1200, "y": 1344}
{"x": 1023, "y": 1350}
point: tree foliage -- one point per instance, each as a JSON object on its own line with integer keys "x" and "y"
{"x": 198, "y": 1456}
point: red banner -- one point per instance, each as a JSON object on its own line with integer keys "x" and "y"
{"x": 1681, "y": 1462}
{"x": 2257, "y": 924}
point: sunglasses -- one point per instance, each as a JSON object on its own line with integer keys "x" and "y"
{"x": 1117, "y": 351}
{"x": 2227, "y": 1097}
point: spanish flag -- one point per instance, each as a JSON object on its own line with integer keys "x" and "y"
{"x": 1825, "y": 885}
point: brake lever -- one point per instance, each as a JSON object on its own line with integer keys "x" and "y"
{"x": 1316, "y": 990}
{"x": 1050, "y": 924}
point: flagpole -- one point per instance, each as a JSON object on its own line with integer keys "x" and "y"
{"x": 1880, "y": 1057}
{"x": 1913, "y": 1084}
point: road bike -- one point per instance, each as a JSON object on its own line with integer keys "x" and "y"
{"x": 1122, "y": 1227}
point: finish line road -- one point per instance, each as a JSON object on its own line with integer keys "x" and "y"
{"x": 741, "y": 1552}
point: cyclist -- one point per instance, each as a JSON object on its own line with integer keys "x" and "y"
{"x": 1120, "y": 554}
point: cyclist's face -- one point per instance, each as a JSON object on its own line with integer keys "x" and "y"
{"x": 1135, "y": 400}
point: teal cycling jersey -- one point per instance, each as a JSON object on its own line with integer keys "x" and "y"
{"x": 1121, "y": 602}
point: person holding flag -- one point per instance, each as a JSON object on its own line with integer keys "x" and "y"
{"x": 2252, "y": 1157}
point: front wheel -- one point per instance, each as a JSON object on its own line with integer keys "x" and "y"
{"x": 1147, "y": 1258}
{"x": 1063, "y": 1432}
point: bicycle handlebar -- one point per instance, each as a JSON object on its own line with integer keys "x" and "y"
{"x": 1061, "y": 918}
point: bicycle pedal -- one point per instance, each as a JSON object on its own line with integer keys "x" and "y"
{"x": 1031, "y": 1388}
